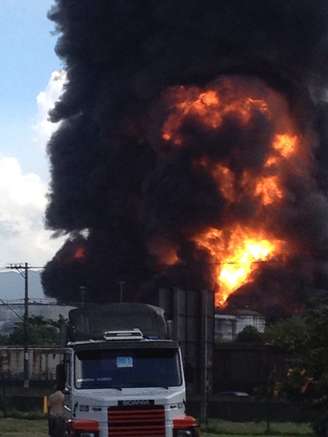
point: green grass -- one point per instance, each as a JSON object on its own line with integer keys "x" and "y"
{"x": 22, "y": 427}
{"x": 13, "y": 427}
{"x": 251, "y": 429}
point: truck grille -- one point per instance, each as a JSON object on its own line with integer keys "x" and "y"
{"x": 136, "y": 421}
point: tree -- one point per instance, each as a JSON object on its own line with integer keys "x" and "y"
{"x": 290, "y": 335}
{"x": 305, "y": 339}
{"x": 250, "y": 335}
{"x": 41, "y": 332}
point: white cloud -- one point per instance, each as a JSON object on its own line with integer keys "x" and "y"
{"x": 45, "y": 101}
{"x": 23, "y": 196}
{"x": 22, "y": 205}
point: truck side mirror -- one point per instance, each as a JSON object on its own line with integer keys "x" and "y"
{"x": 60, "y": 375}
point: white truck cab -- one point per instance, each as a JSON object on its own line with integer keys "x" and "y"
{"x": 125, "y": 384}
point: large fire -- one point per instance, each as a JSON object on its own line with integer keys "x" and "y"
{"x": 209, "y": 107}
{"x": 238, "y": 250}
{"x": 236, "y": 254}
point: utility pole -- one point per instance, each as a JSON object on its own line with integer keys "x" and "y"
{"x": 26, "y": 336}
{"x": 83, "y": 292}
{"x": 204, "y": 364}
{"x": 122, "y": 283}
{"x": 23, "y": 270}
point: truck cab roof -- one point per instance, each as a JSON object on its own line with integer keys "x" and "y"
{"x": 93, "y": 321}
{"x": 123, "y": 344}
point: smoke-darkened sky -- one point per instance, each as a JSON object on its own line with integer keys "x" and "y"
{"x": 141, "y": 198}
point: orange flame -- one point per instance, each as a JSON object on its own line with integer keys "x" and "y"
{"x": 237, "y": 252}
{"x": 208, "y": 108}
{"x": 285, "y": 144}
{"x": 236, "y": 255}
{"x": 268, "y": 189}
{"x": 225, "y": 180}
{"x": 223, "y": 176}
{"x": 205, "y": 105}
{"x": 79, "y": 254}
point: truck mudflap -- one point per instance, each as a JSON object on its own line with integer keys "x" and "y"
{"x": 185, "y": 426}
{"x": 83, "y": 428}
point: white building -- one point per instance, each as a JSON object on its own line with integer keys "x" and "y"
{"x": 228, "y": 326}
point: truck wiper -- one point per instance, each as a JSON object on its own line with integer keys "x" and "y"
{"x": 115, "y": 388}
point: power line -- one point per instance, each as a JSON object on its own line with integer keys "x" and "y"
{"x": 12, "y": 309}
{"x": 23, "y": 269}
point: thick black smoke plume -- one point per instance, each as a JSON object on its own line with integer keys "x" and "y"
{"x": 113, "y": 176}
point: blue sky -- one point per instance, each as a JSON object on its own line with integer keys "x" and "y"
{"x": 27, "y": 85}
{"x": 27, "y": 60}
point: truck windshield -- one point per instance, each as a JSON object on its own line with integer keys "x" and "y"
{"x": 122, "y": 369}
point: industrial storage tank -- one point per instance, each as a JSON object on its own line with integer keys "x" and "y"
{"x": 229, "y": 325}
